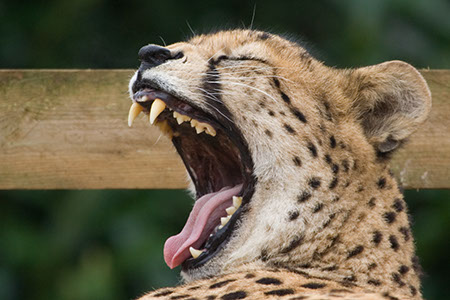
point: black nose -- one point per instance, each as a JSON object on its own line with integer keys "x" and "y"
{"x": 154, "y": 55}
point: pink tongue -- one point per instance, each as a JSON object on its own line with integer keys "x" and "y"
{"x": 202, "y": 220}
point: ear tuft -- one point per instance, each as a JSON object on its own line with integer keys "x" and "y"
{"x": 390, "y": 100}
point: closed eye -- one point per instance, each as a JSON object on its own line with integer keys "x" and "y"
{"x": 243, "y": 57}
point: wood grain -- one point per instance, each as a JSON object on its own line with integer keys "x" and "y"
{"x": 66, "y": 129}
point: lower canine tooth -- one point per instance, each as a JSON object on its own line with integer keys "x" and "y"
{"x": 157, "y": 107}
{"x": 194, "y": 252}
{"x": 135, "y": 110}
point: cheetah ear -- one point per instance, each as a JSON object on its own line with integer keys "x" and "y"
{"x": 391, "y": 100}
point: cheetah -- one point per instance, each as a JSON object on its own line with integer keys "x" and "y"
{"x": 288, "y": 161}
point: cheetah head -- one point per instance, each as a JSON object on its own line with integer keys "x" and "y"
{"x": 271, "y": 139}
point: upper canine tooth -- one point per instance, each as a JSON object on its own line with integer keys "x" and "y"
{"x": 231, "y": 210}
{"x": 157, "y": 107}
{"x": 194, "y": 252}
{"x": 135, "y": 110}
{"x": 237, "y": 201}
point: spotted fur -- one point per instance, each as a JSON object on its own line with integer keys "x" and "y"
{"x": 326, "y": 220}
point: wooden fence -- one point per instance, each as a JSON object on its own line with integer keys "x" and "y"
{"x": 67, "y": 129}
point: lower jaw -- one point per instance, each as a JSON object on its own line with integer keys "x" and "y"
{"x": 214, "y": 246}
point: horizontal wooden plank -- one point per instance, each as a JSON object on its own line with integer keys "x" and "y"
{"x": 66, "y": 129}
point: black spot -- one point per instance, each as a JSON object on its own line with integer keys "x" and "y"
{"x": 192, "y": 298}
{"x": 347, "y": 283}
{"x": 405, "y": 232}
{"x": 296, "y": 241}
{"x": 193, "y": 288}
{"x": 297, "y": 161}
{"x": 282, "y": 113}
{"x": 285, "y": 98}
{"x": 381, "y": 182}
{"x": 372, "y": 266}
{"x": 303, "y": 197}
{"x": 335, "y": 199}
{"x": 327, "y": 222}
{"x": 374, "y": 282}
{"x": 333, "y": 183}
{"x": 413, "y": 290}
{"x": 328, "y": 159}
{"x": 268, "y": 133}
{"x": 289, "y": 128}
{"x": 332, "y": 142}
{"x": 339, "y": 291}
{"x": 318, "y": 208}
{"x": 403, "y": 269}
{"x": 314, "y": 182}
{"x": 394, "y": 242}
{"x": 360, "y": 189}
{"x": 299, "y": 298}
{"x": 293, "y": 215}
{"x": 313, "y": 285}
{"x": 345, "y": 165}
{"x": 357, "y": 250}
{"x": 271, "y": 113}
{"x": 350, "y": 278}
{"x": 281, "y": 292}
{"x": 179, "y": 297}
{"x": 312, "y": 148}
{"x": 298, "y": 114}
{"x": 330, "y": 268}
{"x": 211, "y": 297}
{"x": 389, "y": 217}
{"x": 398, "y": 205}
{"x": 221, "y": 283}
{"x": 335, "y": 168}
{"x": 387, "y": 296}
{"x": 250, "y": 275}
{"x": 396, "y": 278}
{"x": 264, "y": 255}
{"x": 371, "y": 202}
{"x": 234, "y": 295}
{"x": 163, "y": 293}
{"x": 276, "y": 82}
{"x": 268, "y": 280}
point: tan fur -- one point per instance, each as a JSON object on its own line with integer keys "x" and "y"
{"x": 352, "y": 233}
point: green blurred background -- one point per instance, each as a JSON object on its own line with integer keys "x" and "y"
{"x": 108, "y": 244}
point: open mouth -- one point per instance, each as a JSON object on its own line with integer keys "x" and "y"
{"x": 218, "y": 161}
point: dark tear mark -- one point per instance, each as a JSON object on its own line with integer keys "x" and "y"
{"x": 298, "y": 114}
